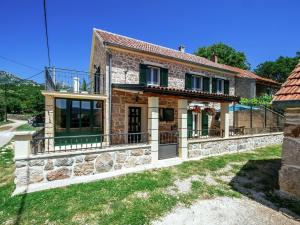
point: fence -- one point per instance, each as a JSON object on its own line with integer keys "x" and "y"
{"x": 205, "y": 133}
{"x": 42, "y": 145}
{"x": 72, "y": 81}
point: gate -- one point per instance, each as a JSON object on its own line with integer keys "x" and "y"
{"x": 168, "y": 144}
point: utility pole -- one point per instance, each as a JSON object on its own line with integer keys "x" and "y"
{"x": 5, "y": 102}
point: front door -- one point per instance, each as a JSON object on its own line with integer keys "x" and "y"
{"x": 134, "y": 124}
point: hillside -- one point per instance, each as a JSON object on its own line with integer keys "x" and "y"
{"x": 8, "y": 78}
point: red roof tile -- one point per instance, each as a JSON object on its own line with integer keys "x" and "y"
{"x": 127, "y": 42}
{"x": 290, "y": 90}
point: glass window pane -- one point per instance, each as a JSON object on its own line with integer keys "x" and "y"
{"x": 75, "y": 114}
{"x": 85, "y": 114}
{"x": 98, "y": 116}
{"x": 60, "y": 115}
{"x": 155, "y": 76}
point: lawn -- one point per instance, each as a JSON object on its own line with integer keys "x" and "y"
{"x": 5, "y": 122}
{"x": 27, "y": 127}
{"x": 142, "y": 197}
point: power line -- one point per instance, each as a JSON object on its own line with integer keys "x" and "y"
{"x": 18, "y": 63}
{"x": 46, "y": 29}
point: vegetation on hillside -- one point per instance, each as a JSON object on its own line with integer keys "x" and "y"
{"x": 20, "y": 96}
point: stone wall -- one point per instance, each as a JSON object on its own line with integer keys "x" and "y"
{"x": 200, "y": 148}
{"x": 121, "y": 100}
{"x": 59, "y": 166}
{"x": 289, "y": 175}
{"x": 125, "y": 70}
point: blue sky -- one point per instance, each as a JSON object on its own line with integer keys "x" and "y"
{"x": 263, "y": 29}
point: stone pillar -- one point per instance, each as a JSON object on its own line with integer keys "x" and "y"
{"x": 153, "y": 124}
{"x": 225, "y": 119}
{"x": 22, "y": 145}
{"x": 289, "y": 174}
{"x": 182, "y": 128}
{"x": 49, "y": 121}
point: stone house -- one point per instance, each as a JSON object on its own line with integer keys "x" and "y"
{"x": 139, "y": 104}
{"x": 288, "y": 98}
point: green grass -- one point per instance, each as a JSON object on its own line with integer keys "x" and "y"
{"x": 27, "y": 127}
{"x": 5, "y": 122}
{"x": 115, "y": 201}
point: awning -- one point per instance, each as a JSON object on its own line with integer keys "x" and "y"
{"x": 179, "y": 93}
{"x": 239, "y": 107}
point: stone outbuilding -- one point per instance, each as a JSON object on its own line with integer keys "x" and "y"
{"x": 288, "y": 98}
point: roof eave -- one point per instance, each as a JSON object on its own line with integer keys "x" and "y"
{"x": 169, "y": 57}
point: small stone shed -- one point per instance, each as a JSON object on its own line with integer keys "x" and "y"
{"x": 288, "y": 98}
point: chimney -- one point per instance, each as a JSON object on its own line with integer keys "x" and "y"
{"x": 181, "y": 48}
{"x": 214, "y": 58}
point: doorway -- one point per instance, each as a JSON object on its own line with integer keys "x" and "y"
{"x": 134, "y": 124}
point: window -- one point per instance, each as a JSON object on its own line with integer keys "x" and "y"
{"x": 166, "y": 114}
{"x": 153, "y": 74}
{"x": 78, "y": 117}
{"x": 197, "y": 83}
{"x": 220, "y": 86}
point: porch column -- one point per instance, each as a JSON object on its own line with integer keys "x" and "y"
{"x": 182, "y": 128}
{"x": 153, "y": 123}
{"x": 225, "y": 119}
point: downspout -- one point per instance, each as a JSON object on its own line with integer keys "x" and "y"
{"x": 110, "y": 93}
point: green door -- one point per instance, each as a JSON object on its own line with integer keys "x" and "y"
{"x": 190, "y": 123}
{"x": 204, "y": 123}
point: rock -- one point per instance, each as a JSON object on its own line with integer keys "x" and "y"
{"x": 145, "y": 160}
{"x": 104, "y": 163}
{"x": 90, "y": 157}
{"x": 121, "y": 157}
{"x": 49, "y": 165}
{"x": 64, "y": 162}
{"x": 39, "y": 162}
{"x": 289, "y": 177}
{"x": 118, "y": 166}
{"x": 291, "y": 151}
{"x": 59, "y": 174}
{"x": 137, "y": 152}
{"x": 28, "y": 175}
{"x": 148, "y": 151}
{"x": 131, "y": 162}
{"x": 79, "y": 158}
{"x": 85, "y": 168}
{"x": 21, "y": 163}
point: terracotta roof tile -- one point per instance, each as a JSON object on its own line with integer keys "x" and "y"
{"x": 290, "y": 90}
{"x": 127, "y": 42}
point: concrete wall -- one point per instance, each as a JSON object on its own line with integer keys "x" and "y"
{"x": 289, "y": 175}
{"x": 200, "y": 148}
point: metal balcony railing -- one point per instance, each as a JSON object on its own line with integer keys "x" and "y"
{"x": 72, "y": 81}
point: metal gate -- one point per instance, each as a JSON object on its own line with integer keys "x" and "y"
{"x": 168, "y": 144}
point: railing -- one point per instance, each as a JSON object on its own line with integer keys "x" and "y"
{"x": 255, "y": 130}
{"x": 42, "y": 145}
{"x": 205, "y": 133}
{"x": 168, "y": 137}
{"x": 72, "y": 81}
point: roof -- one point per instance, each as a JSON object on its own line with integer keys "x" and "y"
{"x": 176, "y": 92}
{"x": 142, "y": 46}
{"x": 289, "y": 93}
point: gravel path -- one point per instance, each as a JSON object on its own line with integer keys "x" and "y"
{"x": 226, "y": 211}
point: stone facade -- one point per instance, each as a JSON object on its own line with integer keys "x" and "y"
{"x": 126, "y": 67}
{"x": 245, "y": 87}
{"x": 289, "y": 175}
{"x": 47, "y": 168}
{"x": 220, "y": 146}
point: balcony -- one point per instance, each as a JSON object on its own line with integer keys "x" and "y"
{"x": 72, "y": 81}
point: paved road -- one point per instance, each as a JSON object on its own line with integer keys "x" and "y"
{"x": 7, "y": 135}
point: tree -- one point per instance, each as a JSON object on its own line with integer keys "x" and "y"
{"x": 226, "y": 55}
{"x": 279, "y": 69}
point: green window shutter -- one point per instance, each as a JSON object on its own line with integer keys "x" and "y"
{"x": 226, "y": 87}
{"x": 206, "y": 84}
{"x": 190, "y": 123}
{"x": 204, "y": 123}
{"x": 163, "y": 77}
{"x": 188, "y": 81}
{"x": 214, "y": 85}
{"x": 143, "y": 74}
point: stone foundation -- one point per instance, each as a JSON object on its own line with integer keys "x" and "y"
{"x": 201, "y": 148}
{"x": 289, "y": 175}
{"x": 60, "y": 166}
